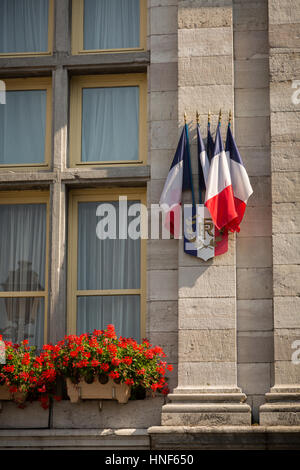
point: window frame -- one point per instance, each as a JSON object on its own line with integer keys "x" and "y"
{"x": 31, "y": 84}
{"x": 78, "y": 24}
{"x": 105, "y": 81}
{"x": 101, "y": 195}
{"x": 31, "y": 197}
{"x": 50, "y": 39}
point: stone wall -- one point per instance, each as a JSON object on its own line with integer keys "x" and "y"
{"x": 218, "y": 321}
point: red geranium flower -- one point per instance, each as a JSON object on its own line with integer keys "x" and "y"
{"x": 127, "y": 360}
{"x": 114, "y": 374}
{"x": 129, "y": 381}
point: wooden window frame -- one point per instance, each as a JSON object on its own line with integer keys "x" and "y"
{"x": 50, "y": 39}
{"x": 78, "y": 83}
{"x": 100, "y": 195}
{"x": 31, "y": 84}
{"x": 78, "y": 23}
{"x": 31, "y": 197}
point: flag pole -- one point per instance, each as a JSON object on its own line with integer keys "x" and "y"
{"x": 229, "y": 117}
{"x": 220, "y": 117}
{"x": 208, "y": 142}
{"x": 200, "y": 192}
{"x": 189, "y": 159}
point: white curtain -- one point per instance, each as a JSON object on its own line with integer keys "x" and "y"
{"x": 23, "y": 26}
{"x": 107, "y": 264}
{"x": 111, "y": 24}
{"x": 110, "y": 121}
{"x": 23, "y": 127}
{"x": 22, "y": 318}
{"x": 123, "y": 311}
{"x": 22, "y": 268}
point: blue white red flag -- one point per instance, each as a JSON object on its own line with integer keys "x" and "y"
{"x": 210, "y": 143}
{"x": 241, "y": 186}
{"x": 178, "y": 180}
{"x": 228, "y": 186}
{"x": 219, "y": 197}
{"x": 209, "y": 241}
{"x": 203, "y": 162}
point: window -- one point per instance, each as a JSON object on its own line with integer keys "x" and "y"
{"x": 108, "y": 120}
{"x": 25, "y": 123}
{"x": 26, "y": 27}
{"x": 107, "y": 282}
{"x": 23, "y": 267}
{"x": 108, "y": 25}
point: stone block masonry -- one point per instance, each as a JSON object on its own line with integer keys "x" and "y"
{"x": 228, "y": 324}
{"x": 283, "y": 400}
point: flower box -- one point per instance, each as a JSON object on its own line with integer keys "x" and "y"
{"x": 5, "y": 394}
{"x": 97, "y": 391}
{"x": 97, "y": 366}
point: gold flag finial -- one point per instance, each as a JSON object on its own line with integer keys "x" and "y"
{"x": 220, "y": 117}
{"x": 184, "y": 116}
{"x": 197, "y": 117}
{"x": 230, "y": 117}
{"x": 208, "y": 118}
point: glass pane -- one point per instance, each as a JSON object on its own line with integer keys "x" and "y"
{"x": 110, "y": 121}
{"x": 123, "y": 311}
{"x": 111, "y": 24}
{"x": 110, "y": 263}
{"x": 22, "y": 318}
{"x": 24, "y": 26}
{"x": 22, "y": 247}
{"x": 23, "y": 127}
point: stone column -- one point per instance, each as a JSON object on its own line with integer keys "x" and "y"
{"x": 254, "y": 241}
{"x": 207, "y": 391}
{"x": 162, "y": 263}
{"x": 283, "y": 402}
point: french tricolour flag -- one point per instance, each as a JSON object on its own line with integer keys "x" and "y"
{"x": 203, "y": 161}
{"x": 228, "y": 187}
{"x": 241, "y": 186}
{"x": 178, "y": 180}
{"x": 210, "y": 143}
{"x": 221, "y": 239}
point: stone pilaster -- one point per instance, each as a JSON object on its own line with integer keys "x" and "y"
{"x": 254, "y": 241}
{"x": 207, "y": 391}
{"x": 162, "y": 264}
{"x": 283, "y": 401}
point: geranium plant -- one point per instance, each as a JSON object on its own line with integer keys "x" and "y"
{"x": 27, "y": 375}
{"x": 103, "y": 355}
